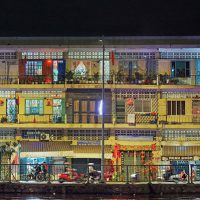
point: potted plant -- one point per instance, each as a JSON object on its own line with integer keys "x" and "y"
{"x": 96, "y": 77}
{"x": 4, "y": 119}
{"x": 164, "y": 78}
{"x": 120, "y": 76}
{"x": 139, "y": 78}
{"x": 69, "y": 76}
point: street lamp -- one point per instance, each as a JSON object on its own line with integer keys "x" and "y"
{"x": 102, "y": 134}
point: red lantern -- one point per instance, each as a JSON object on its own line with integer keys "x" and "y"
{"x": 116, "y": 153}
{"x": 153, "y": 147}
{"x": 1, "y": 102}
{"x": 142, "y": 155}
{"x": 130, "y": 102}
{"x": 113, "y": 57}
{"x": 48, "y": 102}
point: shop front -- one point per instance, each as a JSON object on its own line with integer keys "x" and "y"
{"x": 182, "y": 158}
{"x": 135, "y": 160}
{"x": 54, "y": 153}
{"x": 86, "y": 152}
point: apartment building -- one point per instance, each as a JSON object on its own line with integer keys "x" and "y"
{"x": 51, "y": 99}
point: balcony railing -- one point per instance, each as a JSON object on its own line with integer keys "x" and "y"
{"x": 81, "y": 173}
{"x": 93, "y": 79}
{"x": 78, "y": 118}
{"x": 88, "y": 118}
{"x": 179, "y": 119}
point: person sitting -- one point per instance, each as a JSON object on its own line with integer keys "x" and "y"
{"x": 168, "y": 173}
{"x": 92, "y": 171}
{"x": 44, "y": 169}
{"x": 37, "y": 169}
{"x": 183, "y": 175}
{"x": 193, "y": 175}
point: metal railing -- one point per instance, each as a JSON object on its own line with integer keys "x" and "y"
{"x": 90, "y": 118}
{"x": 141, "y": 79}
{"x": 77, "y": 118}
{"x": 79, "y": 173}
{"x": 179, "y": 119}
{"x": 85, "y": 118}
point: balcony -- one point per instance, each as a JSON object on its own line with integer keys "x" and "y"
{"x": 97, "y": 79}
{"x": 140, "y": 118}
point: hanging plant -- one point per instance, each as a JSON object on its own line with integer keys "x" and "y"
{"x": 3, "y": 119}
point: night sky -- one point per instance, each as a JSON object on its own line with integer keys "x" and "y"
{"x": 99, "y": 17}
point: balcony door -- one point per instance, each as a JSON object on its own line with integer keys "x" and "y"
{"x": 84, "y": 111}
{"x": 11, "y": 110}
{"x": 57, "y": 110}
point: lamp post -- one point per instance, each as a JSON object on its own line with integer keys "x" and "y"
{"x": 102, "y": 135}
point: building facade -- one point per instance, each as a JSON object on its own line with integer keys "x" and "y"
{"x": 51, "y": 99}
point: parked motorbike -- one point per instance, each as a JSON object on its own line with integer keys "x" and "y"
{"x": 36, "y": 175}
{"x": 71, "y": 176}
{"x": 94, "y": 177}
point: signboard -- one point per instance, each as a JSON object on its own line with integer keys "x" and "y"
{"x": 131, "y": 119}
{"x": 88, "y": 142}
{"x": 166, "y": 158}
{"x": 136, "y": 138}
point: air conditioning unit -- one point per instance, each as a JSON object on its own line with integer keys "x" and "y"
{"x": 53, "y": 138}
{"x": 44, "y": 137}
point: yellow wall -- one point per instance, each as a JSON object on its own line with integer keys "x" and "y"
{"x": 162, "y": 110}
{"x": 48, "y": 109}
{"x": 45, "y": 118}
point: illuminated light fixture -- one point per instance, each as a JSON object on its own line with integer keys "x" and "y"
{"x": 49, "y": 61}
{"x": 100, "y": 109}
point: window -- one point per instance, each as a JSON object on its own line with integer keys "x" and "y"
{"x": 142, "y": 105}
{"x": 180, "y": 69}
{"x": 34, "y": 107}
{"x": 88, "y": 55}
{"x": 42, "y": 55}
{"x": 176, "y": 107}
{"x": 84, "y": 111}
{"x": 33, "y": 68}
{"x": 8, "y": 55}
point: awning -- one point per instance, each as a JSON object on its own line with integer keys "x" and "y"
{"x": 181, "y": 150}
{"x": 27, "y": 146}
{"x": 45, "y": 149}
{"x": 90, "y": 149}
{"x": 62, "y": 149}
{"x": 46, "y": 154}
{"x": 92, "y": 155}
